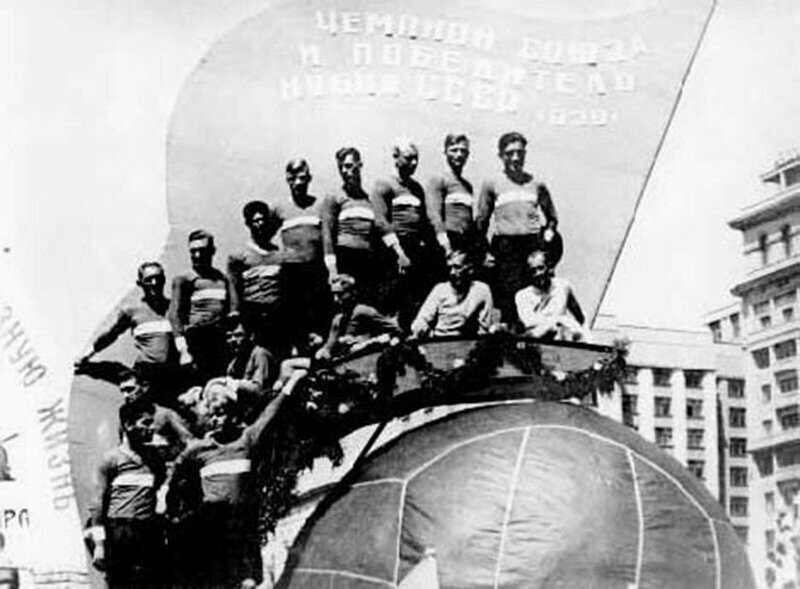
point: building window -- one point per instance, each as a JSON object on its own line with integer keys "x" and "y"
{"x": 766, "y": 425}
{"x": 694, "y": 408}
{"x": 786, "y": 239}
{"x": 664, "y": 437}
{"x": 736, "y": 417}
{"x": 788, "y": 314}
{"x": 662, "y": 407}
{"x": 789, "y": 417}
{"x": 736, "y": 388}
{"x": 629, "y": 410}
{"x": 696, "y": 467}
{"x": 738, "y": 476}
{"x": 765, "y": 321}
{"x": 770, "y": 540}
{"x": 761, "y": 357}
{"x": 662, "y": 377}
{"x": 769, "y": 502}
{"x": 765, "y": 465}
{"x": 716, "y": 330}
{"x": 786, "y": 349}
{"x": 763, "y": 249}
{"x": 735, "y": 325}
{"x": 738, "y": 447}
{"x": 739, "y": 506}
{"x": 786, "y": 298}
{"x": 761, "y": 308}
{"x": 694, "y": 379}
{"x": 787, "y": 380}
{"x": 791, "y": 176}
{"x": 694, "y": 439}
{"x": 631, "y": 375}
{"x": 766, "y": 393}
{"x": 741, "y": 531}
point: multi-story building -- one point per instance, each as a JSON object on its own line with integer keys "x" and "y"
{"x": 769, "y": 332}
{"x": 686, "y": 394}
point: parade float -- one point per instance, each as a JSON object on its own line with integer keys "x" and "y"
{"x": 468, "y": 462}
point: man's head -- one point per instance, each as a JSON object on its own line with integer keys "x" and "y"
{"x": 151, "y": 280}
{"x": 459, "y": 270}
{"x": 137, "y": 421}
{"x": 130, "y": 387}
{"x": 343, "y": 288}
{"x": 201, "y": 250}
{"x": 512, "y": 148}
{"x": 237, "y": 338}
{"x": 348, "y": 161}
{"x": 406, "y": 158}
{"x": 259, "y": 219}
{"x": 540, "y": 269}
{"x": 298, "y": 177}
{"x": 222, "y": 417}
{"x": 456, "y": 150}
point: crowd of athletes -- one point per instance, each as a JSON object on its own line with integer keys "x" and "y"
{"x": 318, "y": 278}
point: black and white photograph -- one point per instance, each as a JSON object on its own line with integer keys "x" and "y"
{"x": 348, "y": 293}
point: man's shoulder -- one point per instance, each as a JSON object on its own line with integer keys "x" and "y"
{"x": 481, "y": 288}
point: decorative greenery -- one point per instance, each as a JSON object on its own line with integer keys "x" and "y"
{"x": 332, "y": 402}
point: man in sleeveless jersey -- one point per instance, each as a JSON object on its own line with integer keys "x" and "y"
{"x": 200, "y": 306}
{"x": 524, "y": 219}
{"x": 153, "y": 334}
{"x": 308, "y": 296}
{"x": 256, "y": 275}
{"x": 349, "y": 231}
{"x": 124, "y": 533}
{"x": 401, "y": 218}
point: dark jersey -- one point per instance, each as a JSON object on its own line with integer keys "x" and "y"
{"x": 348, "y": 222}
{"x": 199, "y": 301}
{"x": 151, "y": 330}
{"x": 518, "y": 209}
{"x": 301, "y": 231}
{"x": 255, "y": 275}
{"x": 450, "y": 203}
{"x": 400, "y": 207}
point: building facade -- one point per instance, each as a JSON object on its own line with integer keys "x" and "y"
{"x": 769, "y": 331}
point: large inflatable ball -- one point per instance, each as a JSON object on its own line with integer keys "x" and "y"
{"x": 520, "y": 495}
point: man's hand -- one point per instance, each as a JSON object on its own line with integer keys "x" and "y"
{"x": 99, "y": 556}
{"x": 185, "y": 358}
{"x": 403, "y": 263}
{"x": 548, "y": 234}
{"x": 323, "y": 355}
{"x": 81, "y": 360}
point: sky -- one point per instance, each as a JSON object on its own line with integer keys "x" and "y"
{"x": 89, "y": 88}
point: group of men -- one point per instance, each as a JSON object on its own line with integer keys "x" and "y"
{"x": 318, "y": 278}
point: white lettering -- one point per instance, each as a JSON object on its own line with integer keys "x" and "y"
{"x": 310, "y": 56}
{"x": 328, "y": 25}
{"x": 379, "y": 21}
{"x": 420, "y": 57}
{"x": 351, "y": 22}
{"x": 362, "y": 54}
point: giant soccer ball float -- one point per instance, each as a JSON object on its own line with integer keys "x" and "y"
{"x": 520, "y": 495}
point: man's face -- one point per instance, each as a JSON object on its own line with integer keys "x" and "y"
{"x": 152, "y": 282}
{"x": 141, "y": 430}
{"x": 513, "y": 156}
{"x": 459, "y": 271}
{"x": 259, "y": 225}
{"x": 201, "y": 253}
{"x": 540, "y": 272}
{"x": 236, "y": 339}
{"x": 406, "y": 162}
{"x": 298, "y": 180}
{"x": 350, "y": 171}
{"x": 130, "y": 389}
{"x": 457, "y": 154}
{"x": 219, "y": 418}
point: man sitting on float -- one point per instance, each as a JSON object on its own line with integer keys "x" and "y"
{"x": 547, "y": 307}
{"x": 459, "y": 307}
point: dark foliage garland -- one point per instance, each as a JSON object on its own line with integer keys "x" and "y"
{"x": 332, "y": 403}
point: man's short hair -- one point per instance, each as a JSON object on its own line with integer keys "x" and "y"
{"x": 345, "y": 151}
{"x": 131, "y": 411}
{"x": 297, "y": 165}
{"x": 510, "y": 137}
{"x": 253, "y": 207}
{"x": 546, "y": 254}
{"x": 403, "y": 144}
{"x": 453, "y": 138}
{"x": 199, "y": 234}
{"x": 144, "y": 266}
{"x": 461, "y": 253}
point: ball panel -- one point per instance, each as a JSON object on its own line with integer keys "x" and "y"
{"x": 736, "y": 573}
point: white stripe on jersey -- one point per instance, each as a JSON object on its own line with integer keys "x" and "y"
{"x": 459, "y": 198}
{"x": 262, "y": 270}
{"x": 516, "y": 196}
{"x": 406, "y": 200}
{"x": 134, "y": 479}
{"x": 151, "y": 327}
{"x": 312, "y": 220}
{"x": 231, "y": 466}
{"x": 357, "y": 213}
{"x": 205, "y": 294}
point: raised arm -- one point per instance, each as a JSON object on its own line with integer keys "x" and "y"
{"x": 110, "y": 335}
